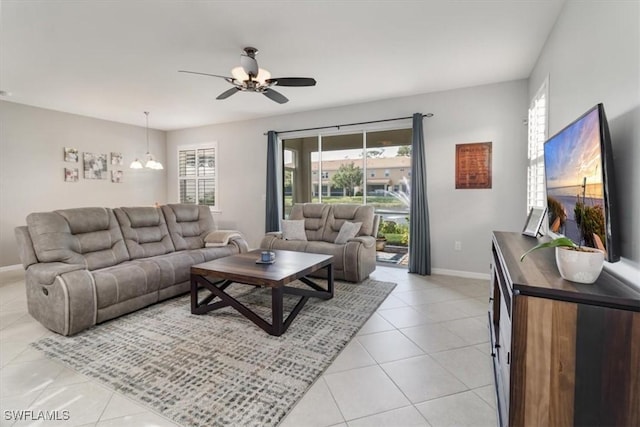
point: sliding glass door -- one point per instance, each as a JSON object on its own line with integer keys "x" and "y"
{"x": 372, "y": 168}
{"x": 336, "y": 169}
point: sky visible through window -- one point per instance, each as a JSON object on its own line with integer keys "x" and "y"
{"x": 354, "y": 154}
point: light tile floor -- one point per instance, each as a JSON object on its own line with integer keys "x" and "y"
{"x": 421, "y": 360}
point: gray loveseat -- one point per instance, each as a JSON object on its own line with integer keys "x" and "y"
{"x": 88, "y": 265}
{"x": 354, "y": 260}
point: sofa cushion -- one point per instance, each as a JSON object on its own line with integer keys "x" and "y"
{"x": 288, "y": 245}
{"x": 348, "y": 212}
{"x": 188, "y": 225}
{"x": 145, "y": 231}
{"x": 314, "y": 216}
{"x": 215, "y": 252}
{"x": 349, "y": 230}
{"x": 175, "y": 267}
{"x": 86, "y": 236}
{"x": 125, "y": 281}
{"x": 293, "y": 230}
{"x": 326, "y": 248}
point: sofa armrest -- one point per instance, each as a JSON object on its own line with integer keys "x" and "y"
{"x": 367, "y": 241}
{"x": 359, "y": 258}
{"x": 269, "y": 239}
{"x": 220, "y": 237}
{"x": 46, "y": 272}
{"x": 240, "y": 243}
{"x": 61, "y": 296}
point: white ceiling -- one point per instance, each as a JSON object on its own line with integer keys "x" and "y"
{"x": 115, "y": 59}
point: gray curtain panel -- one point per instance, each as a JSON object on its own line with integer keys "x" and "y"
{"x": 419, "y": 239}
{"x": 272, "y": 220}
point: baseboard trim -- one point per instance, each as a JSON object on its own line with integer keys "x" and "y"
{"x": 11, "y": 268}
{"x": 460, "y": 273}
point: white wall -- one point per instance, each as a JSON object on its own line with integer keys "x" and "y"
{"x": 487, "y": 113}
{"x": 591, "y": 56}
{"x": 32, "y": 166}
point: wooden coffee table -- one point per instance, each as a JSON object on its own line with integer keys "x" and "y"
{"x": 218, "y": 275}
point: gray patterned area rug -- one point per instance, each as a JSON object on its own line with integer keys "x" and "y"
{"x": 219, "y": 369}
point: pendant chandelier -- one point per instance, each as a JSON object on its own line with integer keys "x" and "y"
{"x": 150, "y": 162}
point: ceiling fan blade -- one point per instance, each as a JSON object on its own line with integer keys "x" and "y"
{"x": 275, "y": 96}
{"x": 228, "y": 93}
{"x": 293, "y": 81}
{"x": 249, "y": 65}
{"x": 204, "y": 74}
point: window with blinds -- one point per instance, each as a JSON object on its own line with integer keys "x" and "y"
{"x": 197, "y": 174}
{"x": 538, "y": 112}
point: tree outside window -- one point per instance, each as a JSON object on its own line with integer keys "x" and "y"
{"x": 348, "y": 177}
{"x": 404, "y": 151}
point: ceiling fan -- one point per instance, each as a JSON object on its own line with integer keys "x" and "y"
{"x": 249, "y": 78}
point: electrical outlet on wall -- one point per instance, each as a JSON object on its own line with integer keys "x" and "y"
{"x": 457, "y": 245}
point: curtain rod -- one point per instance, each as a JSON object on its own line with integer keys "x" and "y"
{"x": 350, "y": 124}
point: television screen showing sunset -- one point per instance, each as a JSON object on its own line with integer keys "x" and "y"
{"x": 575, "y": 193}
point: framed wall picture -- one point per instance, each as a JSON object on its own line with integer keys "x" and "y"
{"x": 116, "y": 176}
{"x": 473, "y": 165}
{"x": 116, "y": 159}
{"x": 70, "y": 154}
{"x": 95, "y": 166}
{"x": 534, "y": 222}
{"x": 71, "y": 174}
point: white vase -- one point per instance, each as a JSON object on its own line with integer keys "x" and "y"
{"x": 580, "y": 266}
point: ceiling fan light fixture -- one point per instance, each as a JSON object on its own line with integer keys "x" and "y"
{"x": 263, "y": 76}
{"x": 248, "y": 77}
{"x": 239, "y": 74}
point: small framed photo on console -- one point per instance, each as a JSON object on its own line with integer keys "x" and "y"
{"x": 534, "y": 221}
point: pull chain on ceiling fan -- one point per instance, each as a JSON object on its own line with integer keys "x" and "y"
{"x": 248, "y": 77}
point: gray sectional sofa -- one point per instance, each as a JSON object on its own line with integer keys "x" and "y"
{"x": 88, "y": 265}
{"x": 354, "y": 260}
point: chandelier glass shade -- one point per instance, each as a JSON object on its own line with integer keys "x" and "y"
{"x": 150, "y": 163}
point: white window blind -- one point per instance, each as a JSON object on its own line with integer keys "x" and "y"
{"x": 197, "y": 174}
{"x": 538, "y": 113}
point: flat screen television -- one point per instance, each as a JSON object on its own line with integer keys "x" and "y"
{"x": 580, "y": 184}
